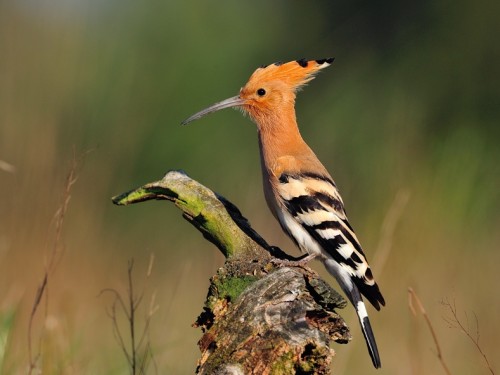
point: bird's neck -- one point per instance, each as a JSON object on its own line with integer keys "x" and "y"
{"x": 279, "y": 137}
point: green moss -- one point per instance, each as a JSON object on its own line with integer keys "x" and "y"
{"x": 306, "y": 368}
{"x": 311, "y": 357}
{"x": 284, "y": 365}
{"x": 231, "y": 287}
{"x": 287, "y": 364}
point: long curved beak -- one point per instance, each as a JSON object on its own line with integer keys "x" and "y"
{"x": 235, "y": 101}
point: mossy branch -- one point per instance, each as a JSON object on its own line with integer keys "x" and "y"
{"x": 258, "y": 318}
{"x": 217, "y": 219}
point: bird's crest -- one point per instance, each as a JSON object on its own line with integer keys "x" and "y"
{"x": 281, "y": 79}
{"x": 294, "y": 73}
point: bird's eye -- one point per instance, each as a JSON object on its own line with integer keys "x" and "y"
{"x": 261, "y": 92}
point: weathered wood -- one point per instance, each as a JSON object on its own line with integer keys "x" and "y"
{"x": 258, "y": 318}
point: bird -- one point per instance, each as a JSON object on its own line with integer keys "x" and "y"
{"x": 298, "y": 189}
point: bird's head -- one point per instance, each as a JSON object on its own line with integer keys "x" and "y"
{"x": 270, "y": 89}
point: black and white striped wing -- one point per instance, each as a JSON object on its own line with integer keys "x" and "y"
{"x": 314, "y": 217}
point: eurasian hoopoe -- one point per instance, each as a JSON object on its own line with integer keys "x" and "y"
{"x": 299, "y": 191}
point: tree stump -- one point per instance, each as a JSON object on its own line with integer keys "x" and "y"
{"x": 259, "y": 317}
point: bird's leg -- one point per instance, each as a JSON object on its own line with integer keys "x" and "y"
{"x": 297, "y": 262}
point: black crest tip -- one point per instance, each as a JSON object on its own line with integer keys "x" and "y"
{"x": 302, "y": 62}
{"x": 328, "y": 60}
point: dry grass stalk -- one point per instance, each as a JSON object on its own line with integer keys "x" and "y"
{"x": 412, "y": 296}
{"x": 455, "y": 322}
{"x": 138, "y": 353}
{"x": 7, "y": 167}
{"x": 54, "y": 256}
{"x": 391, "y": 220}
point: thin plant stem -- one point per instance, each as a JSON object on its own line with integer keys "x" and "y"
{"x": 412, "y": 296}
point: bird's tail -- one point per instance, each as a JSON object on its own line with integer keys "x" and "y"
{"x": 368, "y": 332}
{"x": 352, "y": 292}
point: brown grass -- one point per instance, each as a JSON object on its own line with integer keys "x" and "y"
{"x": 54, "y": 256}
{"x": 139, "y": 352}
{"x": 455, "y": 322}
{"x": 413, "y": 297}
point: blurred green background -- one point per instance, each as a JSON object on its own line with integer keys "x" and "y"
{"x": 406, "y": 120}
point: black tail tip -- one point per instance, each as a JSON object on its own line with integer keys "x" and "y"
{"x": 376, "y": 363}
{"x": 370, "y": 342}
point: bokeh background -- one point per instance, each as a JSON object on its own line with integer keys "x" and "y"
{"x": 406, "y": 119}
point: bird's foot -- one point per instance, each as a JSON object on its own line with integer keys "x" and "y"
{"x": 297, "y": 262}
